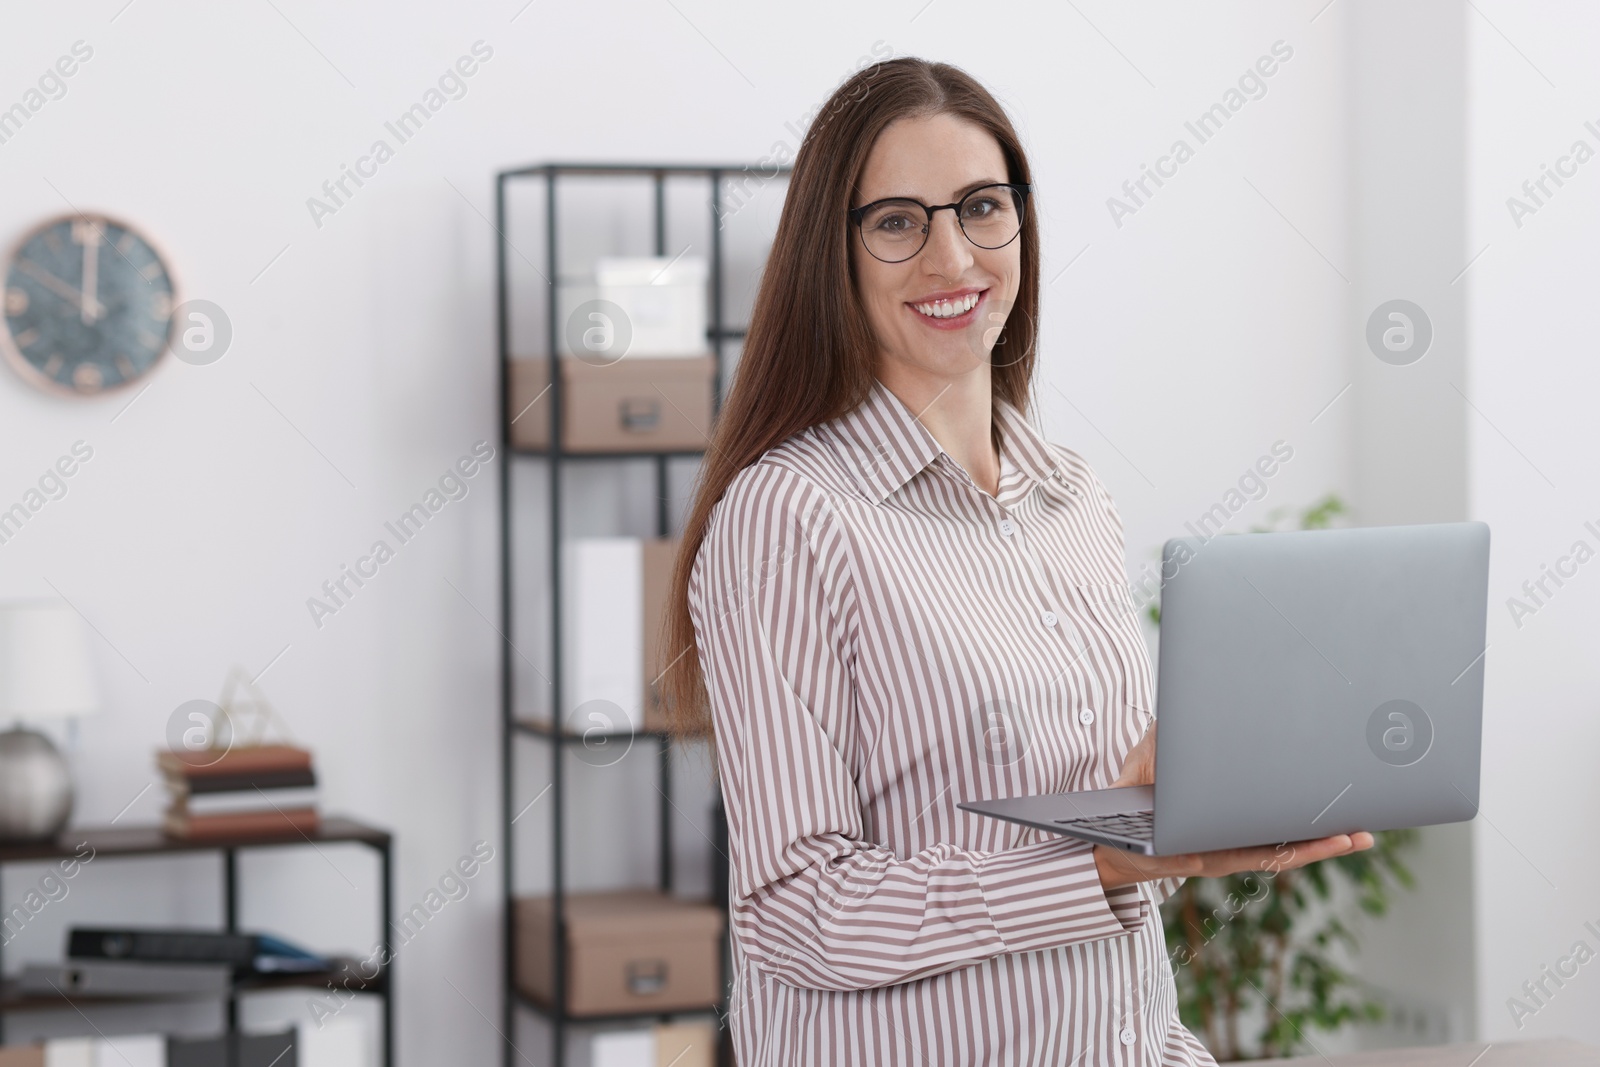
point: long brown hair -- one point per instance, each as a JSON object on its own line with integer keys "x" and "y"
{"x": 808, "y": 355}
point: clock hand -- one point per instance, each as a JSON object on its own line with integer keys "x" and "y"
{"x": 51, "y": 282}
{"x": 91, "y": 308}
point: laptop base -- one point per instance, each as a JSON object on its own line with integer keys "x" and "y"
{"x": 1122, "y": 817}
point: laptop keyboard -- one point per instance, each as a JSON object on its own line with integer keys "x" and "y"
{"x": 1136, "y": 825}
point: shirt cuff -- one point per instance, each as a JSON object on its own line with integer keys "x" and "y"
{"x": 1049, "y": 893}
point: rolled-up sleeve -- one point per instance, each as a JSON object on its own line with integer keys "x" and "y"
{"x": 814, "y": 903}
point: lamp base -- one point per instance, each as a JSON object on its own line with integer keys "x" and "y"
{"x": 35, "y": 787}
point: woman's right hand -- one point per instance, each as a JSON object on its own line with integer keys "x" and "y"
{"x": 1120, "y": 868}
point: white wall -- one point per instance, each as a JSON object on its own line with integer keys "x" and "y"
{"x": 1407, "y": 148}
{"x": 1178, "y": 347}
{"x": 1531, "y": 317}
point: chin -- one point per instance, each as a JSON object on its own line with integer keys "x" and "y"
{"x": 951, "y": 357}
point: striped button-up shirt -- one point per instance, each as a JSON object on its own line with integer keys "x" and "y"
{"x": 882, "y": 640}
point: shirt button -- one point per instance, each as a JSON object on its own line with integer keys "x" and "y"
{"x": 1127, "y": 1037}
{"x": 1048, "y": 618}
{"x": 1086, "y": 716}
{"x": 1008, "y": 527}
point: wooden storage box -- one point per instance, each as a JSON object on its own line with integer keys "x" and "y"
{"x": 634, "y": 404}
{"x": 626, "y": 950}
{"x": 659, "y": 555}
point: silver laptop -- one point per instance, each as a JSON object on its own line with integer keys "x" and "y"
{"x": 1309, "y": 683}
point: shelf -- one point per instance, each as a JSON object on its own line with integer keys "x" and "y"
{"x": 13, "y": 999}
{"x": 588, "y": 281}
{"x": 672, "y": 453}
{"x": 148, "y": 840}
{"x": 634, "y": 170}
{"x": 549, "y": 1011}
{"x": 546, "y": 730}
{"x": 556, "y": 730}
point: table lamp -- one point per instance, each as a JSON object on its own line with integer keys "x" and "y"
{"x": 45, "y": 673}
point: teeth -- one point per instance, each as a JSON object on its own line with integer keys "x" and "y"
{"x": 948, "y": 309}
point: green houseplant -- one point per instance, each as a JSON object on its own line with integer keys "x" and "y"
{"x": 1266, "y": 938}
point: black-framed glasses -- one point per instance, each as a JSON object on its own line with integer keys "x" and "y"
{"x": 895, "y": 229}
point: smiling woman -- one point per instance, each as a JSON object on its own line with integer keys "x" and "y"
{"x": 888, "y": 576}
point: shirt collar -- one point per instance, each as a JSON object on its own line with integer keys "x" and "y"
{"x": 886, "y": 446}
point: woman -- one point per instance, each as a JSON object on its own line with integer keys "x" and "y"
{"x": 903, "y": 597}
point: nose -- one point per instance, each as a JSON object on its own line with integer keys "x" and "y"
{"x": 948, "y": 251}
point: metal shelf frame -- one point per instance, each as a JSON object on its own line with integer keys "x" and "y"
{"x": 110, "y": 842}
{"x": 561, "y": 740}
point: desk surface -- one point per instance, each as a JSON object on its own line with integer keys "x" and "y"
{"x": 1551, "y": 1052}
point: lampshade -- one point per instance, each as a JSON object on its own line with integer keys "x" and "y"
{"x": 45, "y": 668}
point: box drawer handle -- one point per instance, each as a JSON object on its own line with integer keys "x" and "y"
{"x": 640, "y": 414}
{"x": 646, "y": 977}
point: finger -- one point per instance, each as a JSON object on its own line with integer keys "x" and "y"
{"x": 1262, "y": 858}
{"x": 1286, "y": 856}
{"x": 1289, "y": 855}
{"x": 1330, "y": 847}
{"x": 1352, "y": 842}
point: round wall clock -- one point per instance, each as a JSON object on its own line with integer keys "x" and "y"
{"x": 88, "y": 305}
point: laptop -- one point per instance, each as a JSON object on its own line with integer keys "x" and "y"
{"x": 1309, "y": 683}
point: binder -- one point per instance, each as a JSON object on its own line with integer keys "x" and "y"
{"x": 249, "y": 1050}
{"x": 258, "y": 953}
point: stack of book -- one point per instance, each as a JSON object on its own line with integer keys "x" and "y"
{"x": 249, "y": 791}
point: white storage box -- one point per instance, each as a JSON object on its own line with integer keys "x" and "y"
{"x": 571, "y": 296}
{"x": 603, "y": 636}
{"x": 615, "y": 591}
{"x": 664, "y": 299}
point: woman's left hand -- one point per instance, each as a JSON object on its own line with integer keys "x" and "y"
{"x": 1140, "y": 766}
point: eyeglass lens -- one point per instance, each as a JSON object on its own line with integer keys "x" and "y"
{"x": 895, "y": 230}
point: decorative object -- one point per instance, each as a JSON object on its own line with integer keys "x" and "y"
{"x": 88, "y": 305}
{"x": 45, "y": 672}
{"x": 1244, "y": 940}
{"x": 246, "y": 715}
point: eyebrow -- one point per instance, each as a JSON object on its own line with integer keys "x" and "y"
{"x": 959, "y": 193}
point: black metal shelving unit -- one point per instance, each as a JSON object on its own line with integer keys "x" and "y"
{"x": 111, "y": 842}
{"x": 561, "y": 740}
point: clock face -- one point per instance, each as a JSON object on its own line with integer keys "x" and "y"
{"x": 88, "y": 305}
